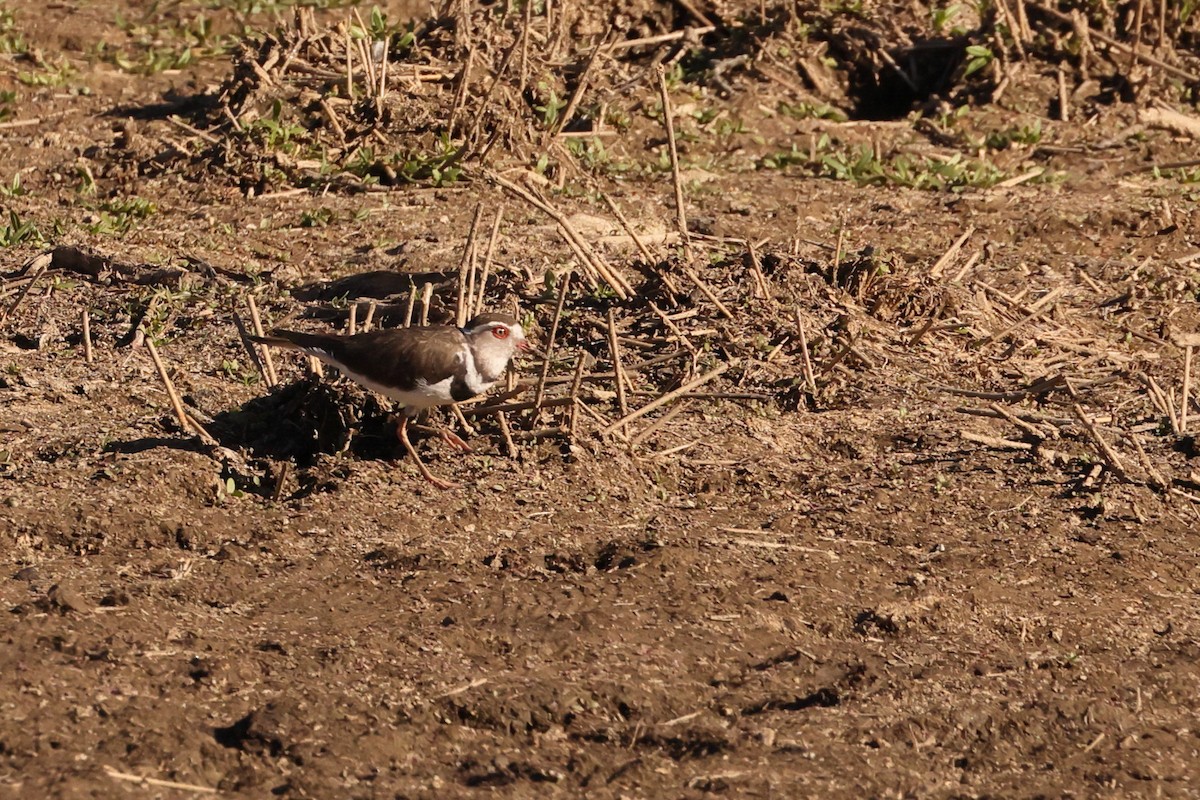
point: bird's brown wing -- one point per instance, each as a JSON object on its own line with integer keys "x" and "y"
{"x": 393, "y": 357}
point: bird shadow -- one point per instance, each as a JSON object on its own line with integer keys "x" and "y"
{"x": 300, "y": 421}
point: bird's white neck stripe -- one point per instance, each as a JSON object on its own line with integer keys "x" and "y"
{"x": 474, "y": 380}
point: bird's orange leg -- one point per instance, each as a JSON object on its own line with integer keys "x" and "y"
{"x": 402, "y": 435}
{"x": 451, "y": 438}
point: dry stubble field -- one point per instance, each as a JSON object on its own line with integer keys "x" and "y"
{"x": 928, "y": 529}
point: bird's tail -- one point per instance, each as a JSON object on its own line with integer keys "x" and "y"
{"x": 295, "y": 340}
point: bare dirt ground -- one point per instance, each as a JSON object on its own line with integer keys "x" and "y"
{"x": 929, "y": 531}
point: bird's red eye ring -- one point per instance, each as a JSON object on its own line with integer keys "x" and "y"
{"x": 500, "y": 332}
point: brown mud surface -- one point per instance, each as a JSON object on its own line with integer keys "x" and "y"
{"x": 930, "y": 531}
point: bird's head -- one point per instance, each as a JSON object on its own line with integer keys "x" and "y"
{"x": 495, "y": 339}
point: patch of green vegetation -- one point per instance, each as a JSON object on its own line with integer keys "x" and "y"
{"x": 978, "y": 57}
{"x": 275, "y": 133}
{"x": 19, "y": 231}
{"x": 7, "y": 100}
{"x": 864, "y": 167}
{"x": 803, "y": 110}
{"x": 618, "y": 118}
{"x": 317, "y": 218}
{"x": 552, "y": 105}
{"x": 594, "y": 156}
{"x": 1184, "y": 175}
{"x": 1023, "y": 134}
{"x": 55, "y": 74}
{"x": 399, "y": 38}
{"x": 439, "y": 166}
{"x": 252, "y": 7}
{"x": 86, "y": 185}
{"x": 941, "y": 16}
{"x": 119, "y": 215}
{"x": 11, "y": 39}
{"x": 14, "y": 189}
{"x": 674, "y": 76}
{"x": 157, "y": 48}
{"x": 235, "y": 371}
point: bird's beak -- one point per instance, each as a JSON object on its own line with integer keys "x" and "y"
{"x": 524, "y": 346}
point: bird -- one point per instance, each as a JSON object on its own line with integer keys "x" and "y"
{"x": 418, "y": 367}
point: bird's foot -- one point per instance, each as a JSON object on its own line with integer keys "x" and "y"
{"x": 456, "y": 441}
{"x": 451, "y": 438}
{"x": 435, "y": 480}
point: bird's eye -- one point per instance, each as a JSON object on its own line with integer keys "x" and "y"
{"x": 500, "y": 332}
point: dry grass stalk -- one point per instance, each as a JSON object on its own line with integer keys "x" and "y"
{"x": 1090, "y": 32}
{"x": 506, "y": 432}
{"x": 928, "y": 324}
{"x": 967, "y": 267}
{"x": 525, "y": 49}
{"x": 1110, "y": 456}
{"x": 364, "y": 53}
{"x": 1012, "y": 419}
{"x": 707, "y": 292}
{"x": 460, "y": 96}
{"x": 676, "y": 176}
{"x": 334, "y": 122}
{"x": 762, "y": 289}
{"x": 661, "y": 38}
{"x": 479, "y": 411}
{"x": 1023, "y": 22}
{"x": 619, "y": 378}
{"x": 606, "y": 424}
{"x": 87, "y": 338}
{"x": 487, "y": 259}
{"x": 584, "y": 251}
{"x": 187, "y": 422}
{"x": 564, "y": 287}
{"x": 1187, "y": 389}
{"x": 1167, "y": 118}
{"x": 809, "y": 377}
{"x": 1038, "y": 309}
{"x": 675, "y": 330}
{"x": 1013, "y": 26}
{"x": 8, "y": 312}
{"x": 567, "y": 113}
{"x": 1157, "y": 481}
{"x": 637, "y": 241}
{"x": 576, "y": 382}
{"x": 1162, "y": 401}
{"x": 465, "y": 299}
{"x": 658, "y": 424}
{"x": 1137, "y": 35}
{"x": 349, "y": 62}
{"x": 999, "y": 443}
{"x": 280, "y": 481}
{"x": 1027, "y": 416}
{"x": 668, "y": 397}
{"x": 381, "y": 95}
{"x": 268, "y": 361}
{"x": 255, "y": 358}
{"x": 491, "y": 90}
{"x": 951, "y": 253}
{"x": 186, "y": 787}
{"x": 412, "y": 302}
{"x": 540, "y": 433}
{"x": 352, "y": 321}
{"x": 426, "y": 299}
{"x": 1064, "y": 97}
{"x": 372, "y": 307}
{"x": 838, "y": 252}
